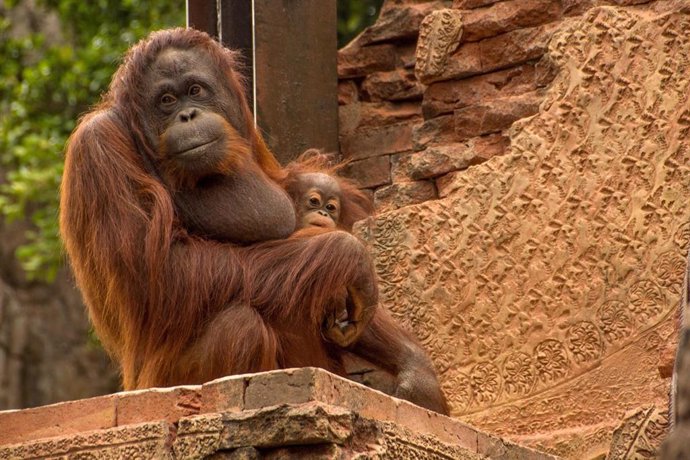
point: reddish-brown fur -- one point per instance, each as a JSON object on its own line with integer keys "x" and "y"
{"x": 174, "y": 308}
{"x": 382, "y": 341}
{"x": 355, "y": 204}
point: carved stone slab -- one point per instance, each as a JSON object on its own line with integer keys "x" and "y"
{"x": 545, "y": 284}
{"x": 439, "y": 36}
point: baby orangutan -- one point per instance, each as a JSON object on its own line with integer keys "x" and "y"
{"x": 323, "y": 201}
{"x": 317, "y": 201}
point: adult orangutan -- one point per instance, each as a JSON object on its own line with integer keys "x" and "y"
{"x": 171, "y": 147}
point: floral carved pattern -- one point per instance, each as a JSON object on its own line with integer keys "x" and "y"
{"x": 486, "y": 382}
{"x": 646, "y": 300}
{"x": 536, "y": 279}
{"x": 584, "y": 341}
{"x": 518, "y": 374}
{"x": 551, "y": 360}
{"x": 615, "y": 321}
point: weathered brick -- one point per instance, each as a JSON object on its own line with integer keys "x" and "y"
{"x": 367, "y": 142}
{"x": 396, "y": 196}
{"x": 423, "y": 421}
{"x": 57, "y": 419}
{"x": 143, "y": 440}
{"x": 284, "y": 425}
{"x": 370, "y": 172}
{"x": 169, "y": 404}
{"x": 407, "y": 54}
{"x": 443, "y": 97}
{"x": 359, "y": 61}
{"x": 327, "y": 451}
{"x": 515, "y": 47}
{"x": 449, "y": 183}
{"x": 438, "y": 160}
{"x": 372, "y": 114}
{"x": 199, "y": 436}
{"x": 399, "y": 84}
{"x": 439, "y": 130}
{"x": 469, "y": 4}
{"x": 289, "y": 386}
{"x": 347, "y": 92}
{"x": 223, "y": 395}
{"x": 495, "y": 53}
{"x": 398, "y": 22}
{"x": 339, "y": 392}
{"x": 496, "y": 115}
{"x": 506, "y": 16}
{"x": 349, "y": 116}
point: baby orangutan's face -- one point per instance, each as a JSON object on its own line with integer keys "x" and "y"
{"x": 320, "y": 201}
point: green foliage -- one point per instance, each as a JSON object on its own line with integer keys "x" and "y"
{"x": 354, "y": 16}
{"x": 45, "y": 84}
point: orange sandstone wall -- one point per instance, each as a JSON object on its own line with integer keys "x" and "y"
{"x": 529, "y": 160}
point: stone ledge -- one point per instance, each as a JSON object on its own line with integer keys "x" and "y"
{"x": 328, "y": 416}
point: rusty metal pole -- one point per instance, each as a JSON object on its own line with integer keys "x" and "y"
{"x": 290, "y": 53}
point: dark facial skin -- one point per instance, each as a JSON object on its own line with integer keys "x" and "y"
{"x": 320, "y": 201}
{"x": 190, "y": 111}
{"x": 204, "y": 155}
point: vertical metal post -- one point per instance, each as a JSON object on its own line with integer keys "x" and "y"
{"x": 237, "y": 32}
{"x": 290, "y": 51}
{"x": 296, "y": 78}
{"x": 203, "y": 15}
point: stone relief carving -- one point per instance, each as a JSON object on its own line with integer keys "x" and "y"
{"x": 549, "y": 277}
{"x": 439, "y": 36}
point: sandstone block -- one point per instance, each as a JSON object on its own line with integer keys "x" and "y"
{"x": 422, "y": 421}
{"x": 198, "y": 436}
{"x": 319, "y": 452}
{"x": 347, "y": 92}
{"x": 546, "y": 280}
{"x": 398, "y": 22}
{"x": 169, "y": 404}
{"x": 449, "y": 183}
{"x": 443, "y": 97}
{"x": 370, "y": 172}
{"x": 469, "y": 4}
{"x": 349, "y": 118}
{"x": 502, "y": 17}
{"x": 344, "y": 393}
{"x": 396, "y": 196}
{"x": 493, "y": 116}
{"x": 285, "y": 425}
{"x": 289, "y": 386}
{"x": 145, "y": 440}
{"x": 439, "y": 36}
{"x": 224, "y": 394}
{"x": 396, "y": 85}
{"x": 377, "y": 140}
{"x": 495, "y": 53}
{"x": 439, "y": 130}
{"x": 386, "y": 113}
{"x": 57, "y": 419}
{"x": 640, "y": 433}
{"x": 438, "y": 160}
{"x": 308, "y": 413}
{"x": 407, "y": 54}
{"x": 356, "y": 61}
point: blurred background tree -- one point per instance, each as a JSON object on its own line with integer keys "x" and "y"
{"x": 49, "y": 77}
